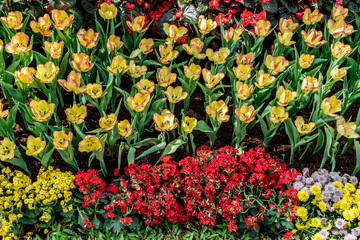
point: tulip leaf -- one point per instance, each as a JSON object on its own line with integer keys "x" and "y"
{"x": 155, "y": 148}
{"x": 46, "y": 159}
{"x": 20, "y": 163}
{"x": 328, "y": 145}
{"x": 78, "y": 19}
{"x": 155, "y": 107}
{"x": 40, "y": 59}
{"x": 357, "y": 149}
{"x": 172, "y": 147}
{"x": 64, "y": 64}
{"x": 147, "y": 142}
{"x": 293, "y": 135}
{"x": 320, "y": 141}
{"x": 151, "y": 62}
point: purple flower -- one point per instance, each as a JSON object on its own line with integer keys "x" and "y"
{"x": 324, "y": 172}
{"x": 340, "y": 223}
{"x": 350, "y": 237}
{"x": 322, "y": 179}
{"x": 324, "y": 233}
{"x": 298, "y": 185}
{"x": 353, "y": 180}
{"x": 334, "y": 175}
{"x": 305, "y": 171}
{"x": 309, "y": 181}
{"x": 355, "y": 231}
{"x": 330, "y": 188}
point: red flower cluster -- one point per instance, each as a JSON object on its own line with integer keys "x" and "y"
{"x": 249, "y": 18}
{"x": 87, "y": 224}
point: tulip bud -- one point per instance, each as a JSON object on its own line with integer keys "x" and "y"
{"x": 54, "y": 49}
{"x": 113, "y": 43}
{"x": 145, "y": 86}
{"x": 89, "y": 144}
{"x": 146, "y": 45}
{"x": 346, "y": 129}
{"x": 262, "y": 28}
{"x": 233, "y": 34}
{"x": 219, "y": 110}
{"x": 192, "y": 71}
{"x": 311, "y": 17}
{"x": 211, "y": 80}
{"x": 107, "y": 11}
{"x": 124, "y": 128}
{"x": 46, "y": 72}
{"x": 302, "y": 127}
{"x": 25, "y": 75}
{"x": 245, "y": 113}
{"x": 81, "y": 62}
{"x": 287, "y": 25}
{"x": 2, "y": 112}
{"x": 118, "y": 63}
{"x": 338, "y": 74}
{"x": 331, "y": 105}
{"x": 42, "y": 26}
{"x": 7, "y": 149}
{"x": 165, "y": 78}
{"x": 340, "y": 49}
{"x": 285, "y": 38}
{"x": 42, "y": 110}
{"x": 88, "y": 38}
{"x": 18, "y": 44}
{"x": 264, "y": 79}
{"x": 139, "y": 101}
{"x": 62, "y": 140}
{"x": 339, "y": 28}
{"x": 138, "y": 24}
{"x": 310, "y": 83}
{"x": 13, "y": 20}
{"x": 339, "y": 13}
{"x": 94, "y": 90}
{"x": 312, "y": 39}
{"x": 242, "y": 72}
{"x": 243, "y": 91}
{"x": 247, "y": 59}
{"x": 108, "y": 122}
{"x": 167, "y": 54}
{"x": 195, "y": 48}
{"x": 61, "y": 19}
{"x": 173, "y": 32}
{"x": 276, "y": 65}
{"x": 218, "y": 57}
{"x": 165, "y": 121}
{"x": 206, "y": 26}
{"x": 306, "y": 60}
{"x": 188, "y": 124}
{"x": 76, "y": 114}
{"x": 175, "y": 95}
{"x": 34, "y": 146}
{"x": 285, "y": 96}
{"x": 278, "y": 114}
{"x": 73, "y": 83}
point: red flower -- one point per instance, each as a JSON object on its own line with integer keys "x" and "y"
{"x": 232, "y": 226}
{"x": 247, "y": 18}
{"x": 130, "y": 6}
{"x": 179, "y": 13}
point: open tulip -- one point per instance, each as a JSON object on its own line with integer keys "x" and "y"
{"x": 18, "y": 44}
{"x": 165, "y": 77}
{"x": 46, "y": 72}
{"x": 42, "y": 26}
{"x": 219, "y": 110}
{"x": 243, "y": 91}
{"x": 311, "y": 17}
{"x": 218, "y": 57}
{"x": 339, "y": 13}
{"x": 264, "y": 79}
{"x": 164, "y": 121}
{"x": 340, "y": 49}
{"x": 62, "y": 140}
{"x": 193, "y": 71}
{"x": 233, "y": 34}
{"x": 114, "y": 43}
{"x": 206, "y": 25}
{"x": 338, "y": 74}
{"x": 306, "y": 60}
{"x": 136, "y": 71}
{"x": 173, "y": 32}
{"x": 146, "y": 45}
{"x": 278, "y": 114}
{"x": 138, "y": 24}
{"x": 262, "y": 28}
{"x": 81, "y": 62}
{"x": 285, "y": 38}
{"x": 167, "y": 54}
{"x": 42, "y": 110}
{"x": 245, "y": 113}
{"x": 145, "y": 86}
{"x": 89, "y": 144}
{"x": 312, "y": 38}
{"x": 73, "y": 83}
{"x": 339, "y": 28}
{"x": 124, "y": 128}
{"x": 118, "y": 63}
{"x": 175, "y": 95}
{"x": 34, "y": 146}
{"x": 2, "y": 112}
{"x": 287, "y": 25}
{"x": 7, "y": 149}
{"x": 310, "y": 83}
{"x": 195, "y": 48}
{"x": 13, "y": 20}
{"x": 94, "y": 90}
{"x": 346, "y": 129}
{"x": 107, "y": 11}
{"x": 108, "y": 122}
{"x": 54, "y": 48}
{"x": 25, "y": 75}
{"x": 302, "y": 127}
{"x": 188, "y": 124}
{"x": 87, "y": 38}
{"x": 285, "y": 96}
{"x": 76, "y": 114}
{"x": 211, "y": 80}
{"x": 61, "y": 19}
{"x": 139, "y": 101}
{"x": 276, "y": 65}
{"x": 242, "y": 72}
{"x": 247, "y": 59}
{"x": 331, "y": 105}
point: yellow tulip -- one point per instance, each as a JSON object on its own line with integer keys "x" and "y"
{"x": 193, "y": 71}
{"x": 285, "y": 38}
{"x": 211, "y": 80}
{"x": 62, "y": 140}
{"x": 312, "y": 38}
{"x": 139, "y": 101}
{"x": 81, "y": 62}
{"x": 61, "y": 19}
{"x": 263, "y": 79}
{"x": 310, "y": 83}
{"x": 285, "y": 96}
{"x": 243, "y": 91}
{"x": 42, "y": 110}
{"x": 138, "y": 24}
{"x": 339, "y": 28}
{"x": 164, "y": 121}
{"x": 165, "y": 77}
{"x": 108, "y": 122}
{"x": 278, "y": 114}
{"x": 76, "y": 114}
{"x": 311, "y": 17}
{"x": 306, "y": 60}
{"x": 219, "y": 110}
{"x": 188, "y": 124}
{"x": 340, "y": 49}
{"x": 25, "y": 75}
{"x": 107, "y": 11}
{"x": 145, "y": 86}
{"x": 1, "y": 45}
{"x": 302, "y": 127}
{"x": 88, "y": 38}
{"x": 338, "y": 74}
{"x": 73, "y": 83}
{"x": 42, "y": 26}
{"x": 94, "y": 90}
{"x": 206, "y": 25}
{"x": 54, "y": 49}
{"x": 118, "y": 63}
{"x": 7, "y": 149}
{"x": 262, "y": 28}
{"x": 113, "y": 43}
{"x": 175, "y": 95}
{"x": 233, "y": 34}
{"x": 124, "y": 128}
{"x": 331, "y": 105}
{"x": 2, "y": 112}
{"x": 245, "y": 113}
{"x": 146, "y": 45}
{"x": 46, "y": 72}
{"x": 89, "y": 144}
{"x": 195, "y": 48}
{"x": 287, "y": 25}
{"x": 136, "y": 71}
{"x": 218, "y": 57}
{"x": 247, "y": 59}
{"x": 173, "y": 32}
{"x": 18, "y": 44}
{"x": 167, "y": 54}
{"x": 339, "y": 13}
{"x": 276, "y": 65}
{"x": 242, "y": 72}
{"x": 13, "y": 20}
{"x": 346, "y": 129}
{"x": 34, "y": 146}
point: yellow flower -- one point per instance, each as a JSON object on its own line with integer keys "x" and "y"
{"x": 2, "y": 112}
{"x": 7, "y": 149}
{"x": 167, "y": 54}
{"x": 76, "y": 114}
{"x": 243, "y": 91}
{"x": 42, "y": 110}
{"x": 338, "y": 74}
{"x": 108, "y": 122}
{"x": 89, "y": 144}
{"x": 339, "y": 28}
{"x": 173, "y": 32}
{"x": 278, "y": 114}
{"x": 13, "y": 20}
{"x": 245, "y": 113}
{"x": 340, "y": 49}
{"x": 124, "y": 128}
{"x": 263, "y": 79}
{"x": 310, "y": 83}
{"x": 25, "y": 75}
{"x": 285, "y": 96}
{"x": 113, "y": 43}
{"x": 218, "y": 57}
{"x": 175, "y": 95}
{"x": 1, "y": 45}
{"x": 302, "y": 127}
{"x": 242, "y": 72}
{"x": 211, "y": 80}
{"x": 18, "y": 44}
{"x": 145, "y": 86}
{"x": 164, "y": 121}
{"x": 315, "y": 189}
{"x": 61, "y": 19}
{"x": 262, "y": 28}
{"x": 206, "y": 25}
{"x": 339, "y": 13}
{"x": 193, "y": 71}
{"x": 276, "y": 65}
{"x": 73, "y": 83}
{"x": 285, "y": 38}
{"x": 94, "y": 90}
{"x": 247, "y": 59}
{"x": 287, "y": 25}
{"x": 165, "y": 77}
{"x": 331, "y": 105}
{"x": 146, "y": 45}
{"x": 346, "y": 129}
{"x": 322, "y": 206}
{"x": 136, "y": 71}
{"x": 316, "y": 222}
{"x": 188, "y": 124}
{"x": 42, "y": 26}
{"x": 139, "y": 101}
{"x": 54, "y": 49}
{"x": 303, "y": 195}
{"x": 138, "y": 24}
{"x": 107, "y": 11}
{"x": 302, "y": 213}
{"x": 195, "y": 48}
{"x": 306, "y": 60}
{"x": 233, "y": 34}
{"x": 88, "y": 38}
{"x": 34, "y": 146}
{"x": 311, "y": 17}
{"x": 118, "y": 63}
{"x": 219, "y": 110}
{"x": 312, "y": 38}
{"x": 62, "y": 140}
{"x": 81, "y": 62}
{"x": 46, "y": 72}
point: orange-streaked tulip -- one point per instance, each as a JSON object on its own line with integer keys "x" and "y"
{"x": 285, "y": 38}
{"x": 107, "y": 11}
{"x": 302, "y": 127}
{"x": 242, "y": 72}
{"x": 13, "y": 20}
{"x": 192, "y": 71}
{"x": 195, "y": 48}
{"x": 46, "y": 72}
{"x": 81, "y": 62}
{"x": 118, "y": 63}
{"x": 338, "y": 73}
{"x": 278, "y": 114}
{"x": 42, "y": 110}
{"x": 138, "y": 24}
{"x": 146, "y": 45}
{"x": 346, "y": 129}
{"x": 124, "y": 128}
{"x": 219, "y": 110}
{"x": 76, "y": 114}
{"x": 245, "y": 113}
{"x": 310, "y": 83}
{"x": 25, "y": 75}
{"x": 73, "y": 83}
{"x": 1, "y": 45}
{"x": 218, "y": 57}
{"x": 331, "y": 105}
{"x": 94, "y": 90}
{"x": 188, "y": 124}
{"x": 108, "y": 122}
{"x": 276, "y": 65}
{"x": 211, "y": 80}
{"x": 247, "y": 59}
{"x": 264, "y": 79}
{"x": 164, "y": 121}
{"x": 311, "y": 17}
{"x": 139, "y": 101}
{"x": 54, "y": 48}
{"x": 175, "y": 95}
{"x": 167, "y": 54}
{"x": 136, "y": 71}
{"x": 206, "y": 25}
{"x": 88, "y": 38}
{"x": 2, "y": 112}
{"x": 243, "y": 91}
{"x": 145, "y": 86}
{"x": 113, "y": 43}
{"x": 7, "y": 149}
{"x": 340, "y": 49}
{"x": 62, "y": 140}
{"x": 306, "y": 60}
{"x": 61, "y": 19}
{"x": 339, "y": 28}
{"x": 285, "y": 96}
{"x": 173, "y": 32}
{"x": 89, "y": 144}
{"x": 287, "y": 25}
{"x": 262, "y": 28}
{"x": 339, "y": 13}
{"x": 313, "y": 37}
{"x": 233, "y": 34}
{"x": 42, "y": 26}
{"x": 34, "y": 145}
{"x": 165, "y": 78}
{"x": 18, "y": 44}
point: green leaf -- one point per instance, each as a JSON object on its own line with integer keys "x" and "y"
{"x": 155, "y": 148}
{"x": 328, "y": 145}
{"x": 291, "y": 5}
{"x": 131, "y": 156}
{"x": 40, "y": 59}
{"x": 320, "y": 142}
{"x": 190, "y": 14}
{"x": 64, "y": 65}
{"x": 271, "y": 6}
{"x": 147, "y": 142}
{"x": 172, "y": 147}
{"x": 20, "y": 163}
{"x": 78, "y": 19}
{"x": 357, "y": 149}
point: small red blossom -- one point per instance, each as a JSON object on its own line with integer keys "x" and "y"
{"x": 130, "y": 6}
{"x": 232, "y": 226}
{"x": 178, "y": 13}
